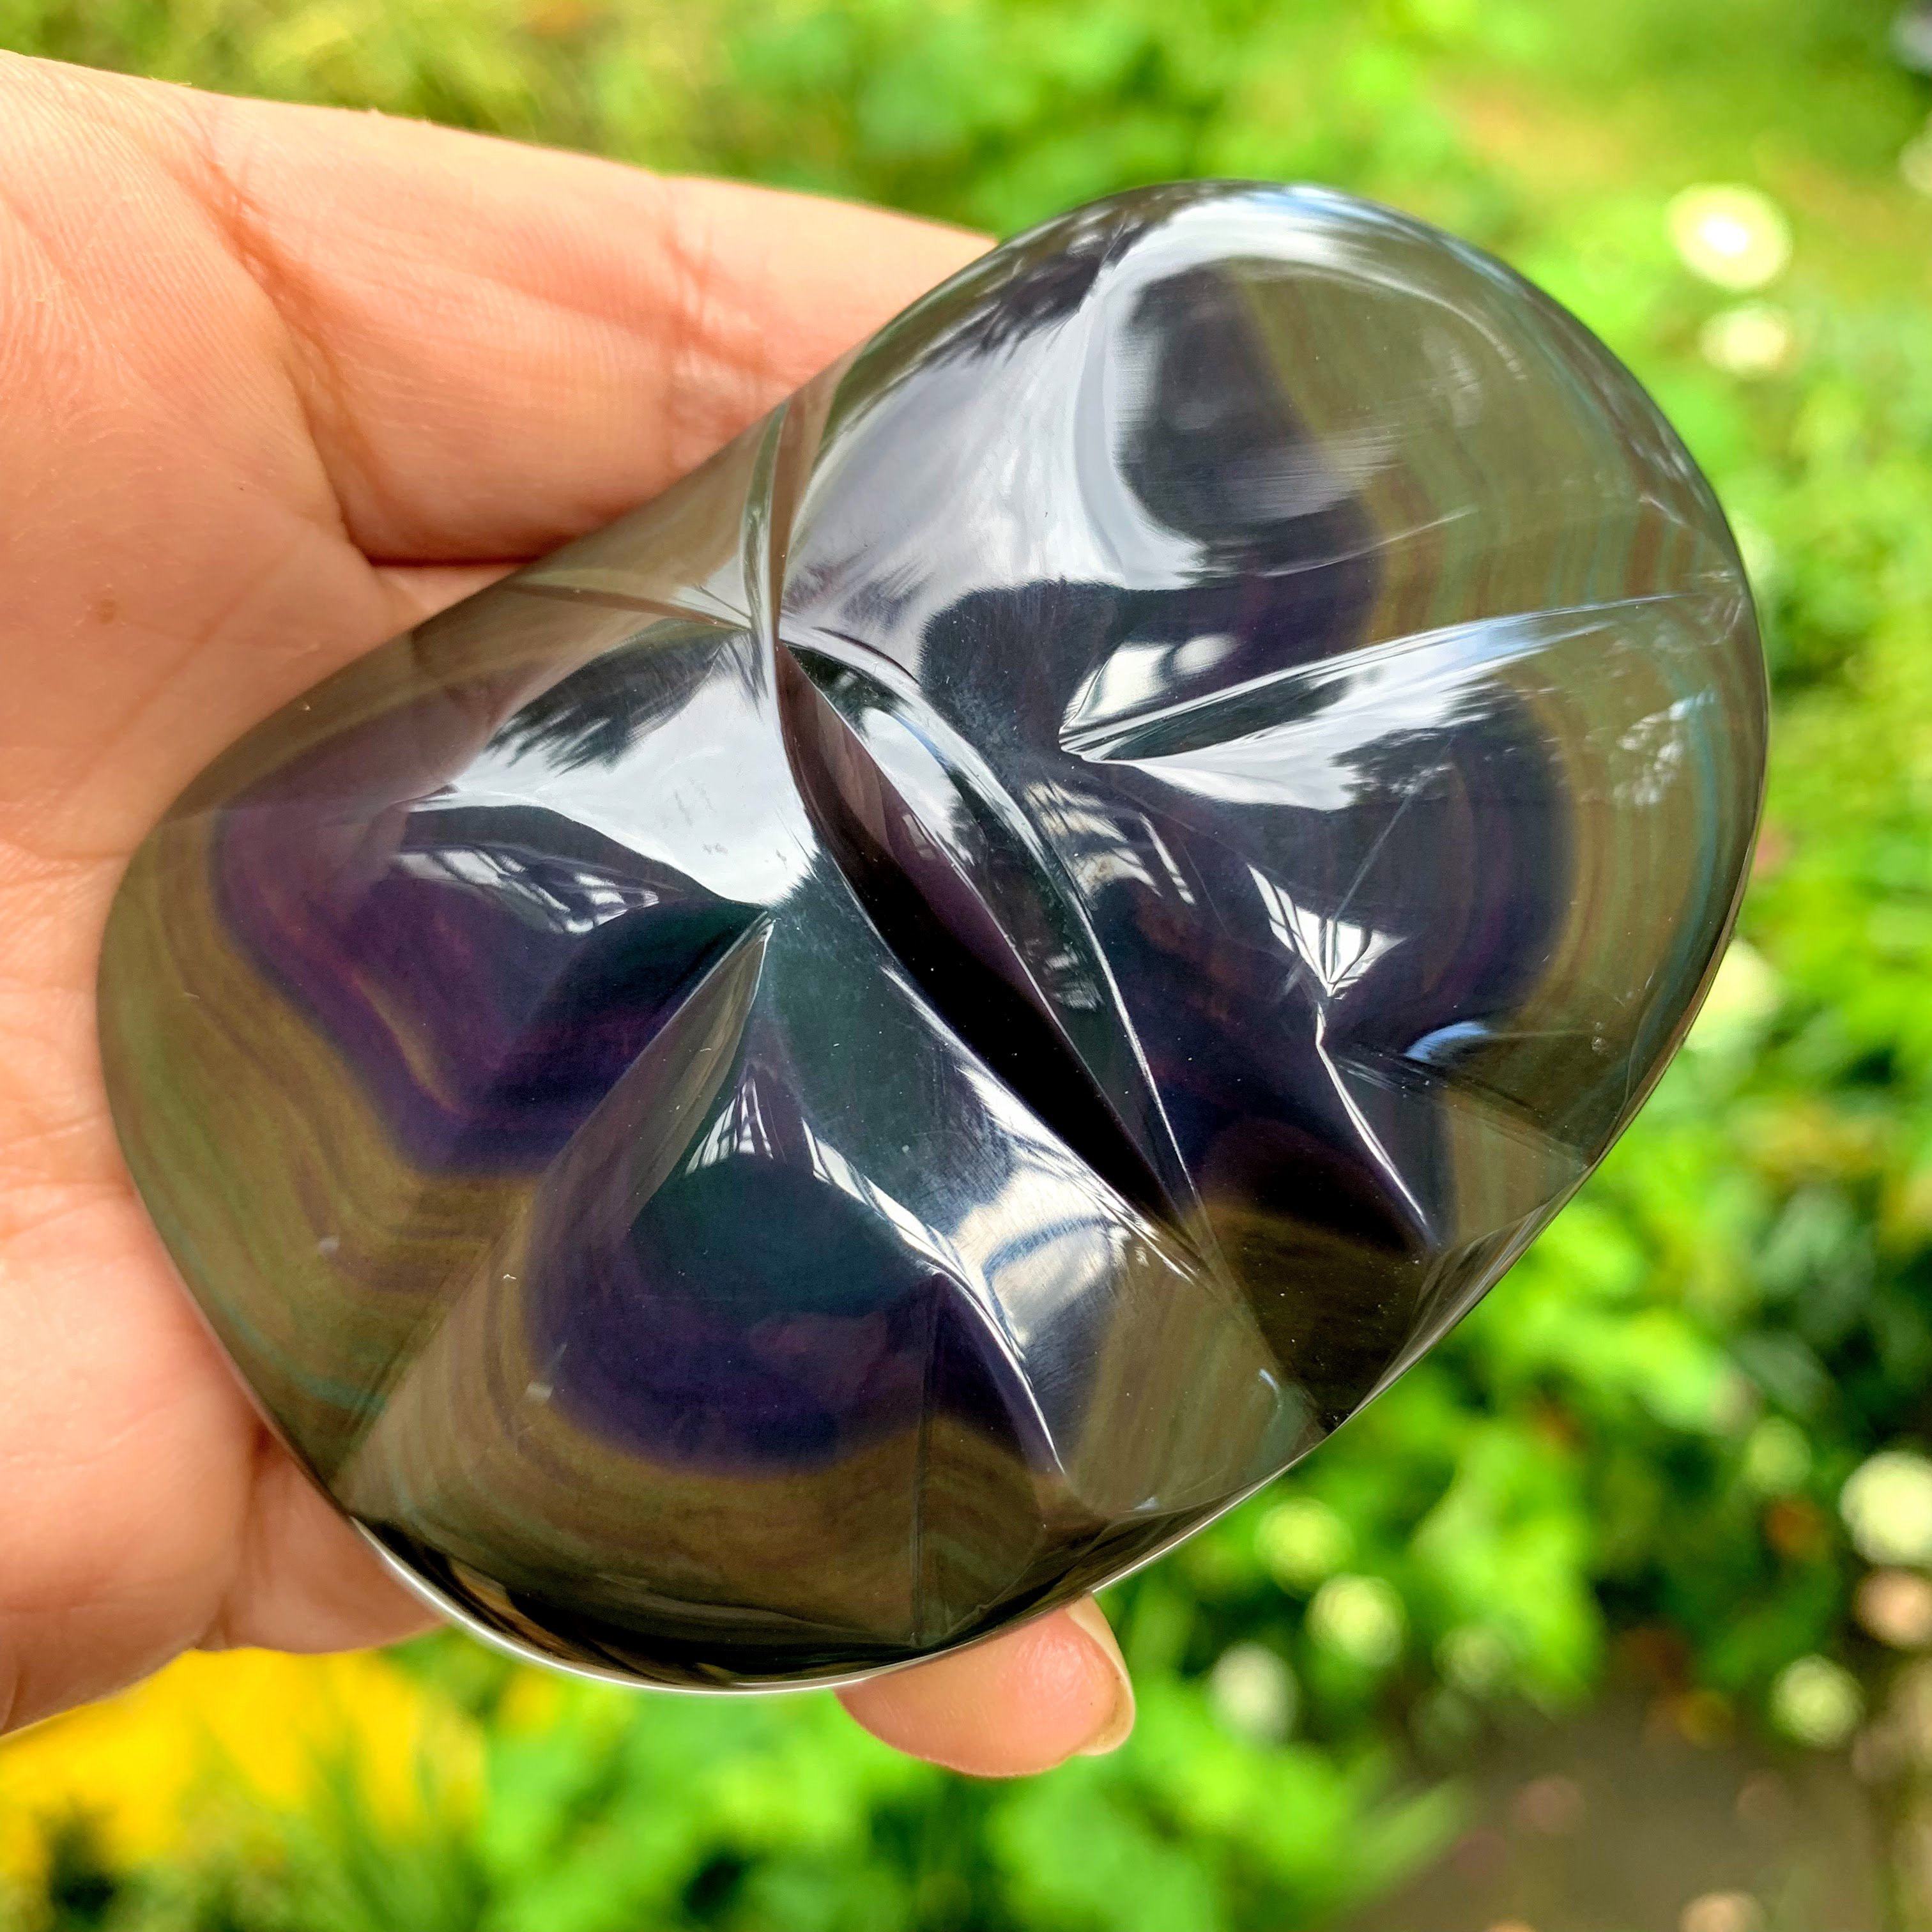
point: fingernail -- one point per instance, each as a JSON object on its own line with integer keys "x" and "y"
{"x": 1113, "y": 1733}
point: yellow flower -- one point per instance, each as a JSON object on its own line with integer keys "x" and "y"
{"x": 149, "y": 1766}
{"x": 1736, "y": 237}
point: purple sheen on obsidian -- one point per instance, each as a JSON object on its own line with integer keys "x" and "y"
{"x": 854, "y": 1054}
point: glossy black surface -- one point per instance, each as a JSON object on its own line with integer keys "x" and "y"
{"x": 853, "y": 1055}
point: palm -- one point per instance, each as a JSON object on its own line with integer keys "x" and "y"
{"x": 276, "y": 384}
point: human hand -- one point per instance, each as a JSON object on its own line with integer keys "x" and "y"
{"x": 276, "y": 383}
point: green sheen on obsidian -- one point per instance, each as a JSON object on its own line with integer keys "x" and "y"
{"x": 857, "y": 1053}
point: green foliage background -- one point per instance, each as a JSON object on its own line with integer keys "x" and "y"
{"x": 1629, "y": 1461}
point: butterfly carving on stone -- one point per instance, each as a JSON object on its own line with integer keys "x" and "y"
{"x": 855, "y": 1055}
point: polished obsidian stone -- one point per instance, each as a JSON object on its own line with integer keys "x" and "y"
{"x": 859, "y": 1052}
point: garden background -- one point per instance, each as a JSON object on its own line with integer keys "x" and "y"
{"x": 1616, "y": 1614}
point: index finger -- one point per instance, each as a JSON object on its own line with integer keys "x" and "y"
{"x": 499, "y": 346}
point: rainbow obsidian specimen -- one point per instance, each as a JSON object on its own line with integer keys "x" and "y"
{"x": 857, "y": 1053}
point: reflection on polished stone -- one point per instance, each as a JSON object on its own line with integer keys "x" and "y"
{"x": 856, "y": 1054}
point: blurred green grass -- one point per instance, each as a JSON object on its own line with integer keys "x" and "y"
{"x": 1628, "y": 1468}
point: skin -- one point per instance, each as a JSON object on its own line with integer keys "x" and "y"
{"x": 275, "y": 382}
